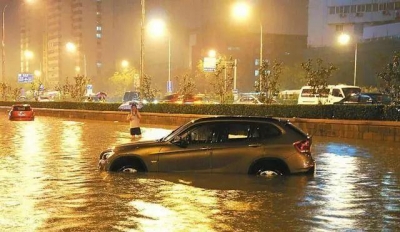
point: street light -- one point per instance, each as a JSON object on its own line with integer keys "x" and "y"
{"x": 71, "y": 47}
{"x": 3, "y": 54}
{"x": 345, "y": 39}
{"x": 242, "y": 10}
{"x": 158, "y": 28}
{"x": 124, "y": 64}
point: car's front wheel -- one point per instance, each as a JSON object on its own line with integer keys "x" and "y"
{"x": 128, "y": 164}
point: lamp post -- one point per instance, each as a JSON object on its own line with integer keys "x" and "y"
{"x": 344, "y": 39}
{"x": 3, "y": 53}
{"x": 158, "y": 28}
{"x": 143, "y": 5}
{"x": 242, "y": 10}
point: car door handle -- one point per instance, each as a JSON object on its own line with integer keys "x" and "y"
{"x": 255, "y": 145}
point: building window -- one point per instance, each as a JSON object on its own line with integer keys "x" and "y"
{"x": 397, "y": 5}
{"x": 98, "y": 28}
{"x": 375, "y": 7}
{"x": 353, "y": 8}
{"x": 98, "y": 35}
{"x": 99, "y": 64}
{"x": 339, "y": 28}
{"x": 382, "y": 6}
{"x": 368, "y": 7}
{"x": 332, "y": 10}
{"x": 346, "y": 9}
{"x": 390, "y": 6}
{"x": 361, "y": 8}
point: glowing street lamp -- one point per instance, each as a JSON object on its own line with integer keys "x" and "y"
{"x": 212, "y": 53}
{"x": 345, "y": 39}
{"x": 159, "y": 28}
{"x": 37, "y": 73}
{"x": 71, "y": 47}
{"x": 124, "y": 64}
{"x": 241, "y": 10}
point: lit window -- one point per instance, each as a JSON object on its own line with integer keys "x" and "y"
{"x": 98, "y": 35}
{"x": 99, "y": 64}
{"x": 256, "y": 72}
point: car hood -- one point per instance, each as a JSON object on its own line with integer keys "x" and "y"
{"x": 136, "y": 145}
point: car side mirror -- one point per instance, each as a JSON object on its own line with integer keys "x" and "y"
{"x": 180, "y": 142}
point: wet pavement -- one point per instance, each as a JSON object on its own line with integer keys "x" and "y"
{"x": 49, "y": 182}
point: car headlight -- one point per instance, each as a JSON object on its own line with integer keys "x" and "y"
{"x": 105, "y": 155}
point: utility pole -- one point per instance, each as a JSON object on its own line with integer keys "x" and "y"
{"x": 143, "y": 2}
{"x": 3, "y": 51}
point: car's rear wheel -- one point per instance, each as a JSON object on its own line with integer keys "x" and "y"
{"x": 269, "y": 168}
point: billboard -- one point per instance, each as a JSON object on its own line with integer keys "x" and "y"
{"x": 210, "y": 64}
{"x": 25, "y": 77}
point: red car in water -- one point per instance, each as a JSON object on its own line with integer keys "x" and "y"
{"x": 21, "y": 112}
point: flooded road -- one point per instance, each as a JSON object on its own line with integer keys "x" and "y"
{"x": 49, "y": 182}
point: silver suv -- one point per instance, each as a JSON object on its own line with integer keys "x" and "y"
{"x": 222, "y": 144}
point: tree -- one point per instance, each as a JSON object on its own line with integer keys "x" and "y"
{"x": 185, "y": 84}
{"x": 148, "y": 91}
{"x": 123, "y": 81}
{"x": 390, "y": 77}
{"x": 317, "y": 77}
{"x": 75, "y": 91}
{"x": 221, "y": 79}
{"x": 269, "y": 81}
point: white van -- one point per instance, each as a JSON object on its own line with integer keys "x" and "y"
{"x": 330, "y": 95}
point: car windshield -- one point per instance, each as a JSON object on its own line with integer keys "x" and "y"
{"x": 350, "y": 91}
{"x": 174, "y": 132}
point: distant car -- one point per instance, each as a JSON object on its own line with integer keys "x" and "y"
{"x": 171, "y": 98}
{"x": 21, "y": 112}
{"x": 248, "y": 100}
{"x": 222, "y": 144}
{"x": 355, "y": 99}
{"x": 380, "y": 98}
{"x": 44, "y": 99}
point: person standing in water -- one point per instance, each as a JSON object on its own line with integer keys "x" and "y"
{"x": 134, "y": 122}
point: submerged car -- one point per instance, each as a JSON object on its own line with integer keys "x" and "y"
{"x": 221, "y": 144}
{"x": 21, "y": 112}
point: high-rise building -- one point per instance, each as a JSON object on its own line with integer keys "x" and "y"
{"x": 105, "y": 32}
{"x": 361, "y": 19}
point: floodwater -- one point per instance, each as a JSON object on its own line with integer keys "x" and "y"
{"x": 49, "y": 182}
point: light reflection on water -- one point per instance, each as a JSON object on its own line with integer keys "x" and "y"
{"x": 49, "y": 182}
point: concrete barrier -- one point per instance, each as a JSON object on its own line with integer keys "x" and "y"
{"x": 352, "y": 129}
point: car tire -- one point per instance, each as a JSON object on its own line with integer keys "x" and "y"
{"x": 128, "y": 164}
{"x": 269, "y": 168}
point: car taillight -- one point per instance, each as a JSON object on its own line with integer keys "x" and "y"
{"x": 303, "y": 146}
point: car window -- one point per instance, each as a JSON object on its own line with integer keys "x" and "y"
{"x": 336, "y": 92}
{"x": 267, "y": 130}
{"x": 200, "y": 134}
{"x": 21, "y": 108}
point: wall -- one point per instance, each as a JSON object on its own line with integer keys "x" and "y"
{"x": 353, "y": 129}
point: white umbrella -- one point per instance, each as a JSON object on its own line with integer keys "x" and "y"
{"x": 128, "y": 105}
